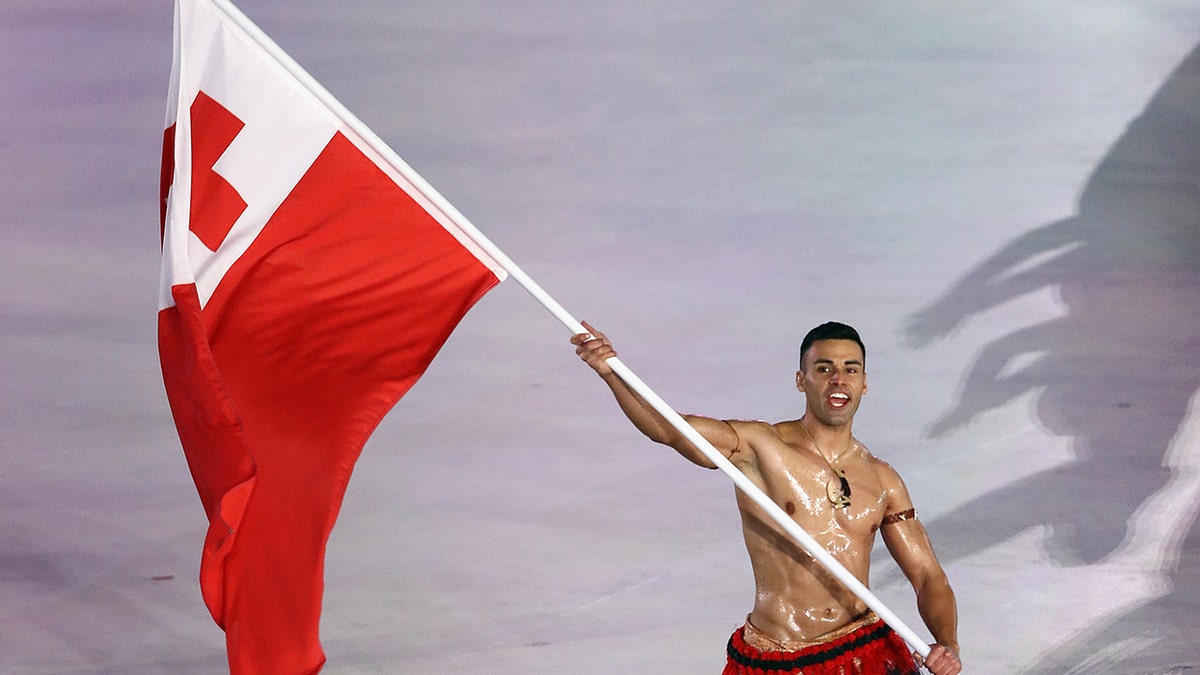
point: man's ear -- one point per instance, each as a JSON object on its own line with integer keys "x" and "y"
{"x": 800, "y": 380}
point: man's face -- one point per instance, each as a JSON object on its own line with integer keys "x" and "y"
{"x": 833, "y": 380}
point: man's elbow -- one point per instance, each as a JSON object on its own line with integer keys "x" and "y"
{"x": 932, "y": 580}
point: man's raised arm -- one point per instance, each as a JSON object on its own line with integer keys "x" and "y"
{"x": 595, "y": 349}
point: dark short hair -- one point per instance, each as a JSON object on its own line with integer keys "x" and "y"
{"x": 831, "y": 330}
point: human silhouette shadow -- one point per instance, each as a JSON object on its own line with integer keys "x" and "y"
{"x": 1115, "y": 373}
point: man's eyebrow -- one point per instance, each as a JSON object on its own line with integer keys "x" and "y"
{"x": 849, "y": 362}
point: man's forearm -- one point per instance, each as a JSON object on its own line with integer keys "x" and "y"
{"x": 643, "y": 416}
{"x": 939, "y": 611}
{"x": 595, "y": 349}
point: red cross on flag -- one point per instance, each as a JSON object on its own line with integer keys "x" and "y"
{"x": 308, "y": 279}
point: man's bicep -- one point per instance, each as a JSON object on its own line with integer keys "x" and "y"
{"x": 723, "y": 435}
{"x": 908, "y": 542}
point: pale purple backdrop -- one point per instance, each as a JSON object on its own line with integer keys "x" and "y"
{"x": 1003, "y": 197}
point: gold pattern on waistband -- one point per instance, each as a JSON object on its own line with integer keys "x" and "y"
{"x": 763, "y": 642}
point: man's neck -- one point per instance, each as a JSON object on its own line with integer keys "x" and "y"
{"x": 831, "y": 441}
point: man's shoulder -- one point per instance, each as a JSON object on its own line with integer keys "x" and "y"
{"x": 752, "y": 425}
{"x": 761, "y": 428}
{"x": 886, "y": 473}
{"x": 769, "y": 438}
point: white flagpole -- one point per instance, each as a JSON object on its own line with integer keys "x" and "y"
{"x": 459, "y": 220}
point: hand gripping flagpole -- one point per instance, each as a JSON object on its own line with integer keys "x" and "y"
{"x": 450, "y": 214}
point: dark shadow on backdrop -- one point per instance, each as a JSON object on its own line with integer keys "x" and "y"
{"x": 1114, "y": 374}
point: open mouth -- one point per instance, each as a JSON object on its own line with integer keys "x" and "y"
{"x": 838, "y": 400}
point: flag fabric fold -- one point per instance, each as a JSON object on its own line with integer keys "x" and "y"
{"x": 306, "y": 284}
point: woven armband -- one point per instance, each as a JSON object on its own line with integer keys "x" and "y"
{"x": 892, "y": 518}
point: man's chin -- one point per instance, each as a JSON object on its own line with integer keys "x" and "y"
{"x": 835, "y": 418}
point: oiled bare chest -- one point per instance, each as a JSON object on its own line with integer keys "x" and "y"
{"x": 846, "y": 497}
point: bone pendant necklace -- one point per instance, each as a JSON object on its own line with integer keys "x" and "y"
{"x": 837, "y": 491}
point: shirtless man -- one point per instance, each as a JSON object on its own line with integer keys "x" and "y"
{"x": 839, "y": 493}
